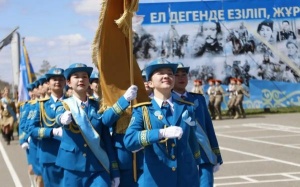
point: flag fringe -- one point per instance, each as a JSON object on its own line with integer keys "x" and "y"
{"x": 97, "y": 38}
{"x": 124, "y": 22}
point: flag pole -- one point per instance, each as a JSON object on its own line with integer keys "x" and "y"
{"x": 132, "y": 83}
{"x": 125, "y": 23}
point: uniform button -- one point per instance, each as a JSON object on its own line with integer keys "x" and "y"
{"x": 85, "y": 145}
{"x": 173, "y": 169}
{"x": 173, "y": 156}
{"x": 84, "y": 154}
{"x": 173, "y": 145}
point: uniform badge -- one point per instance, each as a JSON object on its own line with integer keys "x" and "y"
{"x": 29, "y": 115}
{"x": 52, "y": 106}
{"x": 33, "y": 114}
{"x": 188, "y": 119}
{"x": 159, "y": 115}
{"x": 60, "y": 108}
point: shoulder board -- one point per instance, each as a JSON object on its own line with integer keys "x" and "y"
{"x": 192, "y": 93}
{"x": 186, "y": 102}
{"x": 23, "y": 103}
{"x": 93, "y": 98}
{"x": 32, "y": 102}
{"x": 142, "y": 104}
{"x": 44, "y": 99}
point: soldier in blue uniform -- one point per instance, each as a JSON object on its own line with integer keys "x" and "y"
{"x": 210, "y": 159}
{"x": 23, "y": 136}
{"x": 84, "y": 151}
{"x": 34, "y": 142}
{"x": 94, "y": 84}
{"x": 44, "y": 128}
{"x": 164, "y": 129}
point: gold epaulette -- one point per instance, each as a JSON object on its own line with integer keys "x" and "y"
{"x": 193, "y": 93}
{"x": 44, "y": 99}
{"x": 32, "y": 102}
{"x": 22, "y": 103}
{"x": 142, "y": 104}
{"x": 186, "y": 102}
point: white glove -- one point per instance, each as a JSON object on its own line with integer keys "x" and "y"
{"x": 57, "y": 132}
{"x": 171, "y": 132}
{"x": 216, "y": 168}
{"x": 29, "y": 138}
{"x": 131, "y": 93}
{"x": 66, "y": 118}
{"x": 25, "y": 145}
{"x": 115, "y": 182}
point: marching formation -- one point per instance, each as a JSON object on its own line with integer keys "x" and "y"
{"x": 70, "y": 140}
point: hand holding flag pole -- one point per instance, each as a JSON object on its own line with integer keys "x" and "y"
{"x": 125, "y": 24}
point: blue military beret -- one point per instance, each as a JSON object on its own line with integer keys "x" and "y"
{"x": 158, "y": 64}
{"x": 54, "y": 72}
{"x": 29, "y": 87}
{"x": 77, "y": 67}
{"x": 36, "y": 84}
{"x": 182, "y": 67}
{"x": 94, "y": 76}
{"x": 42, "y": 79}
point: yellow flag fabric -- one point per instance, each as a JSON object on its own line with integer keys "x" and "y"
{"x": 111, "y": 56}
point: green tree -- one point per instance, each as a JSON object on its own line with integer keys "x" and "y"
{"x": 44, "y": 68}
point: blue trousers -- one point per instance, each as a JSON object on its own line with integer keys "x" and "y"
{"x": 206, "y": 175}
{"x": 86, "y": 178}
{"x": 52, "y": 175}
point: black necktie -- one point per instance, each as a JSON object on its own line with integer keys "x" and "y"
{"x": 166, "y": 109}
{"x": 183, "y": 97}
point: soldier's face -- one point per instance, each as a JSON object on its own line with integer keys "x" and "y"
{"x": 162, "y": 80}
{"x": 209, "y": 32}
{"x": 79, "y": 82}
{"x": 57, "y": 83}
{"x": 285, "y": 26}
{"x": 266, "y": 32}
{"x": 292, "y": 50}
{"x": 94, "y": 85}
{"x": 181, "y": 80}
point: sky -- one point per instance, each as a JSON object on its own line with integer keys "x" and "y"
{"x": 60, "y": 32}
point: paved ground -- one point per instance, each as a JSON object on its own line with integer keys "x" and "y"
{"x": 261, "y": 150}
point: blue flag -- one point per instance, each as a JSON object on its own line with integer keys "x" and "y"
{"x": 27, "y": 75}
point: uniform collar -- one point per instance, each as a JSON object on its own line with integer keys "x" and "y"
{"x": 160, "y": 101}
{"x": 180, "y": 95}
{"x": 79, "y": 102}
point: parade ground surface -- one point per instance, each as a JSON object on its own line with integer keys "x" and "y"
{"x": 261, "y": 150}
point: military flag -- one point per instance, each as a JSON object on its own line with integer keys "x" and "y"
{"x": 27, "y": 74}
{"x": 112, "y": 54}
{"x": 7, "y": 40}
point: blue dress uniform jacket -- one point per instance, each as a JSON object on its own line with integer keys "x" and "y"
{"x": 169, "y": 162}
{"x": 204, "y": 120}
{"x": 74, "y": 153}
{"x": 125, "y": 161}
{"x": 34, "y": 142}
{"x": 23, "y": 136}
{"x": 40, "y": 127}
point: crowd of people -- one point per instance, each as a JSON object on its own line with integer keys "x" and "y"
{"x": 235, "y": 92}
{"x": 70, "y": 142}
